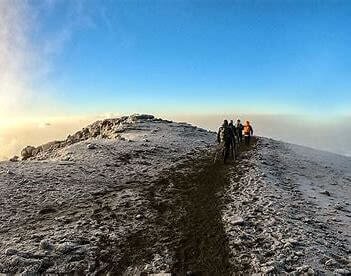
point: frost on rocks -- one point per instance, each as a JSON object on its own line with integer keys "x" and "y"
{"x": 85, "y": 203}
{"x": 96, "y": 203}
{"x": 296, "y": 220}
{"x": 91, "y": 146}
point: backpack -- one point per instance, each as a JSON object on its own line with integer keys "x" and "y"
{"x": 247, "y": 129}
{"x": 225, "y": 134}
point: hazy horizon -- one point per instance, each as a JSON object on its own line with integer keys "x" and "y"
{"x": 332, "y": 136}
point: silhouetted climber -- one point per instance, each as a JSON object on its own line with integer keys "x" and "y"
{"x": 224, "y": 139}
{"x": 248, "y": 131}
{"x": 239, "y": 130}
{"x": 233, "y": 143}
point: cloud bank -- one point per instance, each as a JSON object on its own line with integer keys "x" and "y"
{"x": 14, "y": 137}
{"x": 331, "y": 136}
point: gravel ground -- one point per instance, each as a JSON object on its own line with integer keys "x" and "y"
{"x": 85, "y": 208}
{"x": 151, "y": 200}
{"x": 288, "y": 211}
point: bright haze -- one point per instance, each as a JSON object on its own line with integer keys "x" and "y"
{"x": 284, "y": 65}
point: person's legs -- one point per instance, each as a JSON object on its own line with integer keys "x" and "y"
{"x": 238, "y": 147}
{"x": 247, "y": 140}
{"x": 226, "y": 151}
{"x": 219, "y": 153}
{"x": 232, "y": 149}
{"x": 223, "y": 152}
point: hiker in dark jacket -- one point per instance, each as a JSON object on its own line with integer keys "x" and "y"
{"x": 239, "y": 130}
{"x": 224, "y": 139}
{"x": 233, "y": 135}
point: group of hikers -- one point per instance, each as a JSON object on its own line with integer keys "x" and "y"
{"x": 230, "y": 135}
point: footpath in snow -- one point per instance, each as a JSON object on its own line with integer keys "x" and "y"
{"x": 138, "y": 195}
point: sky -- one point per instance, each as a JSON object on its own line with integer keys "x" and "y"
{"x": 69, "y": 58}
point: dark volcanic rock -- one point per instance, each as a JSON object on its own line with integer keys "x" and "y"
{"x": 27, "y": 152}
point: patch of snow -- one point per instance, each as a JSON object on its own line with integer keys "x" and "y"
{"x": 76, "y": 195}
{"x": 296, "y": 205}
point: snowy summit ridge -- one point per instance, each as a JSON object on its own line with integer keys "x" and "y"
{"x": 58, "y": 197}
{"x": 126, "y": 128}
{"x": 139, "y": 195}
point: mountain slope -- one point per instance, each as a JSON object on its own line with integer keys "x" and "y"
{"x": 138, "y": 194}
{"x": 294, "y": 204}
{"x": 67, "y": 201}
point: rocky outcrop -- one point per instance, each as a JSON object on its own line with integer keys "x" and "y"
{"x": 14, "y": 158}
{"x": 107, "y": 129}
{"x": 93, "y": 206}
{"x": 27, "y": 152}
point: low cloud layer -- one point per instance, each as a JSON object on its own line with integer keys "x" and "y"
{"x": 15, "y": 137}
{"x": 331, "y": 136}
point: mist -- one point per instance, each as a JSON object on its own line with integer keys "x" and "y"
{"x": 27, "y": 60}
{"x": 14, "y": 137}
{"x": 328, "y": 134}
{"x": 19, "y": 59}
{"x": 332, "y": 135}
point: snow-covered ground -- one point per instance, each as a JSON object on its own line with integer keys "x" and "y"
{"x": 145, "y": 196}
{"x": 59, "y": 208}
{"x": 290, "y": 211}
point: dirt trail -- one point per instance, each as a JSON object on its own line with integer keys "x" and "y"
{"x": 148, "y": 202}
{"x": 203, "y": 245}
{"x": 187, "y": 235}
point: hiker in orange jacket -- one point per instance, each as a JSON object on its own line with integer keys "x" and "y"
{"x": 248, "y": 132}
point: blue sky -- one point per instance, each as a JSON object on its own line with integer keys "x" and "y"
{"x": 70, "y": 62}
{"x": 195, "y": 56}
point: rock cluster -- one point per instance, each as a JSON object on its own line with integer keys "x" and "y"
{"x": 108, "y": 129}
{"x": 92, "y": 207}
